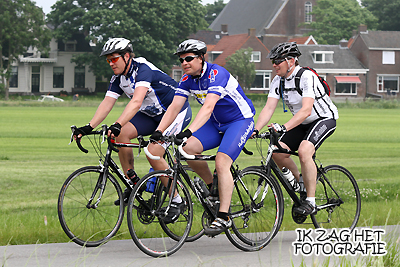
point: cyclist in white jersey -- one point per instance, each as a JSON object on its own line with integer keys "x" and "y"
{"x": 314, "y": 118}
{"x": 225, "y": 120}
{"x": 151, "y": 92}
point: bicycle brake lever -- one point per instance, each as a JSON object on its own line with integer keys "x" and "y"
{"x": 73, "y": 127}
{"x": 104, "y": 129}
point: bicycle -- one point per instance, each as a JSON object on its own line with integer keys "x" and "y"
{"x": 253, "y": 209}
{"x": 86, "y": 208}
{"x": 337, "y": 194}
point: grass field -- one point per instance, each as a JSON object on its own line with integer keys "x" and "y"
{"x": 35, "y": 160}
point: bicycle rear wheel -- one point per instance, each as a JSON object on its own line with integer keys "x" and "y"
{"x": 89, "y": 225}
{"x": 256, "y": 210}
{"x": 346, "y": 213}
{"x": 145, "y": 214}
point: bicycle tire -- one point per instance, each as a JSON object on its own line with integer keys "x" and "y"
{"x": 197, "y": 230}
{"x": 345, "y": 215}
{"x": 92, "y": 226}
{"x": 145, "y": 219}
{"x": 255, "y": 225}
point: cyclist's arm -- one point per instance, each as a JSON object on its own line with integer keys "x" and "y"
{"x": 266, "y": 113}
{"x": 204, "y": 112}
{"x": 171, "y": 113}
{"x": 102, "y": 111}
{"x": 302, "y": 114}
{"x": 133, "y": 106}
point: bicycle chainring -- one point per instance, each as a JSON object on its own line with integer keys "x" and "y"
{"x": 297, "y": 218}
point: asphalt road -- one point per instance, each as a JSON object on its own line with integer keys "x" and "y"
{"x": 203, "y": 252}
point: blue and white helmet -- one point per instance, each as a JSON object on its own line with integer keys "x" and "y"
{"x": 116, "y": 45}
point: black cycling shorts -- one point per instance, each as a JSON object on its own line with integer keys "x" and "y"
{"x": 315, "y": 132}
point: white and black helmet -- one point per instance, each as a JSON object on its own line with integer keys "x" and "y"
{"x": 116, "y": 45}
{"x": 191, "y": 46}
{"x": 284, "y": 50}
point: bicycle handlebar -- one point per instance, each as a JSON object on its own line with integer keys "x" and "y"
{"x": 103, "y": 131}
{"x": 274, "y": 137}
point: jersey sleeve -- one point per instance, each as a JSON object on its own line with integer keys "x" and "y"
{"x": 309, "y": 84}
{"x": 144, "y": 77}
{"x": 183, "y": 88}
{"x": 274, "y": 88}
{"x": 218, "y": 79}
{"x": 114, "y": 90}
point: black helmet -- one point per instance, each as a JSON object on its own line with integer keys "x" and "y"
{"x": 191, "y": 46}
{"x": 284, "y": 50}
{"x": 116, "y": 45}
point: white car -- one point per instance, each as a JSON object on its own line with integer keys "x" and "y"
{"x": 46, "y": 98}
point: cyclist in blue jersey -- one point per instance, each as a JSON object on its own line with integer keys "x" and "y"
{"x": 225, "y": 120}
{"x": 314, "y": 119}
{"x": 151, "y": 92}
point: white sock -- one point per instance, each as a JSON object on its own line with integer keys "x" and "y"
{"x": 178, "y": 199}
{"x": 311, "y": 199}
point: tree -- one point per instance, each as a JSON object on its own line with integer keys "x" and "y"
{"x": 213, "y": 10}
{"x": 22, "y": 25}
{"x": 155, "y": 27}
{"x": 240, "y": 66}
{"x": 387, "y": 13}
{"x": 336, "y": 19}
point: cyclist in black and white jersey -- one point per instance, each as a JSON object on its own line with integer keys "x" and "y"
{"x": 314, "y": 118}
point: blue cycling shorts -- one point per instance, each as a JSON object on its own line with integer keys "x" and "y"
{"x": 230, "y": 138}
{"x": 146, "y": 125}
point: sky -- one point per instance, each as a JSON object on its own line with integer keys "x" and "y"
{"x": 46, "y": 4}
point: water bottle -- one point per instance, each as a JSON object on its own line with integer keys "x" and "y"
{"x": 151, "y": 183}
{"x": 201, "y": 186}
{"x": 290, "y": 177}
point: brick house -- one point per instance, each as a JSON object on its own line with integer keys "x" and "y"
{"x": 344, "y": 73}
{"x": 275, "y": 21}
{"x": 379, "y": 51}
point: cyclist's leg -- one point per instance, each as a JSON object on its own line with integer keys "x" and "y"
{"x": 318, "y": 132}
{"x": 125, "y": 154}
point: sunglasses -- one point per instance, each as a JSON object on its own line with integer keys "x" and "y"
{"x": 278, "y": 61}
{"x": 187, "y": 59}
{"x": 113, "y": 59}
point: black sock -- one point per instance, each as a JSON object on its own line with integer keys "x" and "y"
{"x": 223, "y": 215}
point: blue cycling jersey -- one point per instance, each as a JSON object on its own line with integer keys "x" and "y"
{"x": 160, "y": 87}
{"x": 232, "y": 105}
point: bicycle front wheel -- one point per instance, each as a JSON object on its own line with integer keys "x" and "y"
{"x": 256, "y": 210}
{"x": 341, "y": 209}
{"x": 145, "y": 216}
{"x": 89, "y": 224}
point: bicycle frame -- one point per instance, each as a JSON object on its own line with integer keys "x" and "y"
{"x": 270, "y": 164}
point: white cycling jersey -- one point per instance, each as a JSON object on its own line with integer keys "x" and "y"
{"x": 311, "y": 87}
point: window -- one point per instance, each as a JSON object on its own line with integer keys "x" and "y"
{"x": 388, "y": 57}
{"x": 262, "y": 80}
{"x": 79, "y": 77}
{"x": 177, "y": 75}
{"x": 388, "y": 83}
{"x": 214, "y": 55}
{"x": 307, "y": 12}
{"x": 58, "y": 77}
{"x": 14, "y": 77}
{"x": 255, "y": 56}
{"x": 70, "y": 46}
{"x": 346, "y": 89}
{"x": 322, "y": 56}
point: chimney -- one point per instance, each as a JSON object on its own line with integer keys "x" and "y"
{"x": 343, "y": 43}
{"x": 362, "y": 28}
{"x": 224, "y": 28}
{"x": 252, "y": 32}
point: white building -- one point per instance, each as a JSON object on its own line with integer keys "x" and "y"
{"x": 32, "y": 73}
